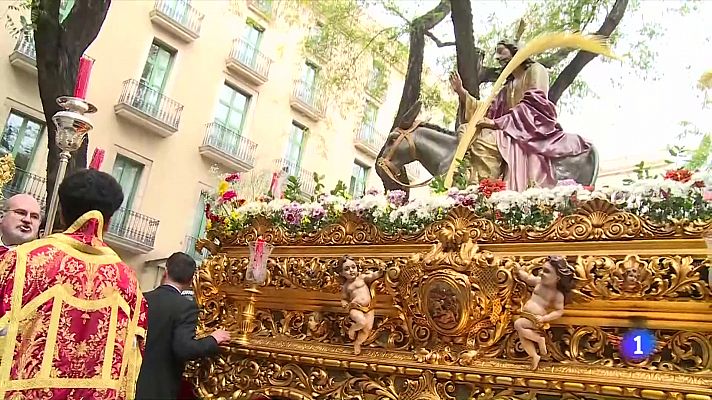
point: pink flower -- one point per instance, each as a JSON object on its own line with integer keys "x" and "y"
{"x": 232, "y": 177}
{"x": 229, "y": 195}
{"x": 707, "y": 195}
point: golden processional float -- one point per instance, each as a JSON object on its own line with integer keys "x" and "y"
{"x": 569, "y": 292}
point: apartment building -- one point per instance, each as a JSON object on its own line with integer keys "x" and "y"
{"x": 182, "y": 87}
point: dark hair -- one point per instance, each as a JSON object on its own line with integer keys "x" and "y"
{"x": 513, "y": 48}
{"x": 342, "y": 261}
{"x": 180, "y": 268}
{"x": 565, "y": 273}
{"x": 88, "y": 190}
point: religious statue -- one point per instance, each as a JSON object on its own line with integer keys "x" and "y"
{"x": 520, "y": 138}
{"x": 356, "y": 296}
{"x": 551, "y": 292}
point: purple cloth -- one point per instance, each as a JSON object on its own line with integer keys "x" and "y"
{"x": 529, "y": 137}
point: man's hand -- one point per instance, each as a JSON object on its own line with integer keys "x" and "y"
{"x": 486, "y": 123}
{"x": 456, "y": 84}
{"x": 220, "y": 336}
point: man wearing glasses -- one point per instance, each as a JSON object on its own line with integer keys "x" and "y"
{"x": 19, "y": 221}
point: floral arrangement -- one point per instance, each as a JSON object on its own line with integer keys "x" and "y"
{"x": 679, "y": 195}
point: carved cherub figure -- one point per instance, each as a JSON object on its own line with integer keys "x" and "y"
{"x": 551, "y": 292}
{"x": 356, "y": 296}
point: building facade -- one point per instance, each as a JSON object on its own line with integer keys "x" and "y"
{"x": 182, "y": 87}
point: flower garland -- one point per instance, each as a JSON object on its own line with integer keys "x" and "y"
{"x": 679, "y": 195}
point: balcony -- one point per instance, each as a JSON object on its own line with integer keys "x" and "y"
{"x": 306, "y": 178}
{"x": 131, "y": 231}
{"x": 225, "y": 146}
{"x": 190, "y": 250}
{"x": 308, "y": 101}
{"x": 23, "y": 56}
{"x": 147, "y": 107}
{"x": 248, "y": 62}
{"x": 263, "y": 8}
{"x": 369, "y": 141}
{"x": 27, "y": 182}
{"x": 177, "y": 17}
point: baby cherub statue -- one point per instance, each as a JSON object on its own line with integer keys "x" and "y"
{"x": 551, "y": 292}
{"x": 356, "y": 296}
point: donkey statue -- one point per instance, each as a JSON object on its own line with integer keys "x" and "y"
{"x": 434, "y": 147}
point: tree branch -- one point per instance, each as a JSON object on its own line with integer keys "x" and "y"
{"x": 84, "y": 22}
{"x": 469, "y": 57}
{"x": 571, "y": 71}
{"x": 413, "y": 76}
{"x": 437, "y": 41}
{"x": 433, "y": 17}
{"x": 555, "y": 58}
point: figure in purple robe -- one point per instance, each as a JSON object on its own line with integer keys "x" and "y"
{"x": 520, "y": 136}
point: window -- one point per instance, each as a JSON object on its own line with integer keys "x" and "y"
{"x": 264, "y": 5}
{"x": 368, "y": 126}
{"x": 295, "y": 148}
{"x": 315, "y": 31}
{"x": 232, "y": 109}
{"x": 376, "y": 79}
{"x": 20, "y": 138}
{"x": 359, "y": 175}
{"x": 128, "y": 173}
{"x": 251, "y": 43}
{"x": 200, "y": 221}
{"x": 153, "y": 79}
{"x": 158, "y": 65}
{"x": 309, "y": 75}
{"x": 65, "y": 6}
{"x": 178, "y": 10}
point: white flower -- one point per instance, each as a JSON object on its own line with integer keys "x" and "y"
{"x": 275, "y": 206}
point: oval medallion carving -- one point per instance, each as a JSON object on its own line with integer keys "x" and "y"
{"x": 445, "y": 304}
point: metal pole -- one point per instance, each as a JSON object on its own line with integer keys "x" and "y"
{"x": 64, "y": 157}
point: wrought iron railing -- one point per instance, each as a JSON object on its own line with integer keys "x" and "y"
{"x": 249, "y": 56}
{"x": 306, "y": 178}
{"x": 190, "y": 250}
{"x": 230, "y": 142}
{"x": 309, "y": 95}
{"x": 181, "y": 12}
{"x": 26, "y": 45}
{"x": 133, "y": 226}
{"x": 151, "y": 102}
{"x": 368, "y": 136}
{"x": 27, "y": 182}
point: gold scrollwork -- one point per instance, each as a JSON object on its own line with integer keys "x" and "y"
{"x": 448, "y": 314}
{"x": 465, "y": 295}
{"x": 634, "y": 277}
{"x": 594, "y": 220}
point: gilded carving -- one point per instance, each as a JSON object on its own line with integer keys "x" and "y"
{"x": 635, "y": 277}
{"x": 443, "y": 326}
{"x": 594, "y": 220}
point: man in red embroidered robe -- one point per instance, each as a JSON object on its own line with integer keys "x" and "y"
{"x": 72, "y": 316}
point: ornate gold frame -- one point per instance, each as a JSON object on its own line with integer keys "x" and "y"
{"x": 444, "y": 311}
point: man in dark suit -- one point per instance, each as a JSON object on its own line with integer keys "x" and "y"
{"x": 171, "y": 341}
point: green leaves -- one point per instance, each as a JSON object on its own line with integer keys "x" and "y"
{"x": 293, "y": 189}
{"x": 318, "y": 186}
{"x": 340, "y": 190}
